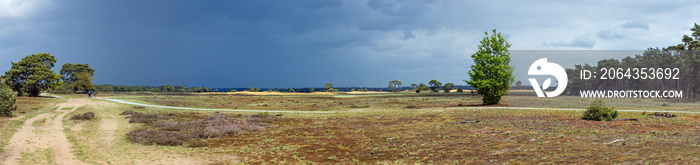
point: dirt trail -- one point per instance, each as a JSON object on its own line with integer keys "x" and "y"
{"x": 113, "y": 152}
{"x": 108, "y": 127}
{"x": 49, "y": 135}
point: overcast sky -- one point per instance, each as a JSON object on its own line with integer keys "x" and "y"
{"x": 307, "y": 43}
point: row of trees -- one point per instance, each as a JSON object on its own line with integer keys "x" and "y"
{"x": 395, "y": 86}
{"x": 162, "y": 88}
{"x": 685, "y": 56}
{"x": 32, "y": 75}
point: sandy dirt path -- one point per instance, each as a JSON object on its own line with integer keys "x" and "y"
{"x": 50, "y": 135}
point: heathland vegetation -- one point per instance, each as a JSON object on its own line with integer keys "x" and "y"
{"x": 418, "y": 124}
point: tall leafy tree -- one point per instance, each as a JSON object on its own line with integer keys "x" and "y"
{"x": 73, "y": 73}
{"x": 328, "y": 87}
{"x": 448, "y": 87}
{"x": 395, "y": 85}
{"x": 31, "y": 75}
{"x": 435, "y": 85}
{"x": 84, "y": 81}
{"x": 423, "y": 86}
{"x": 491, "y": 73}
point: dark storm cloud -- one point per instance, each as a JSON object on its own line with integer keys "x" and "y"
{"x": 306, "y": 43}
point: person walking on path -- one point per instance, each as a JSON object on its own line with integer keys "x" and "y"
{"x": 95, "y": 94}
{"x": 89, "y": 93}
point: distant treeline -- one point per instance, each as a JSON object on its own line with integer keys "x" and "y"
{"x": 176, "y": 88}
{"x": 672, "y": 68}
{"x": 138, "y": 88}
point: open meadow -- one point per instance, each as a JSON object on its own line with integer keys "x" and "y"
{"x": 367, "y": 128}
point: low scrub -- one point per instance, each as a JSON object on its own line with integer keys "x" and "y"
{"x": 84, "y": 116}
{"x": 412, "y": 107}
{"x": 160, "y": 130}
{"x": 138, "y": 117}
{"x": 598, "y": 111}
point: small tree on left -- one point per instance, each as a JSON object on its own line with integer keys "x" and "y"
{"x": 7, "y": 101}
{"x": 31, "y": 75}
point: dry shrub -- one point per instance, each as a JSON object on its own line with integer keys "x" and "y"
{"x": 168, "y": 125}
{"x": 127, "y": 113}
{"x": 169, "y": 132}
{"x": 149, "y": 136}
{"x": 213, "y": 131}
{"x": 412, "y": 107}
{"x": 663, "y": 114}
{"x": 84, "y": 116}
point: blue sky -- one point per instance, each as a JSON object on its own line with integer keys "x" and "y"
{"x": 307, "y": 43}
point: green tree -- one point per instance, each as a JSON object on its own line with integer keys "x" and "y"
{"x": 491, "y": 73}
{"x": 435, "y": 85}
{"x": 291, "y": 90}
{"x": 170, "y": 88}
{"x": 254, "y": 89}
{"x": 395, "y": 85}
{"x": 519, "y": 84}
{"x": 414, "y": 86}
{"x": 328, "y": 87}
{"x": 423, "y": 87}
{"x": 71, "y": 73}
{"x": 7, "y": 101}
{"x": 84, "y": 81}
{"x": 56, "y": 83}
{"x": 31, "y": 75}
{"x": 448, "y": 87}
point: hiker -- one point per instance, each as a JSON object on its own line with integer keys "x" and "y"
{"x": 89, "y": 93}
{"x": 95, "y": 94}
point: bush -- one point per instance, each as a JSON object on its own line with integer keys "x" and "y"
{"x": 460, "y": 90}
{"x": 149, "y": 136}
{"x": 7, "y": 101}
{"x": 171, "y": 132}
{"x": 412, "y": 107}
{"x": 417, "y": 90}
{"x": 84, "y": 116}
{"x": 598, "y": 111}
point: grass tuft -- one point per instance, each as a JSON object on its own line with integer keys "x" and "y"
{"x": 84, "y": 116}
